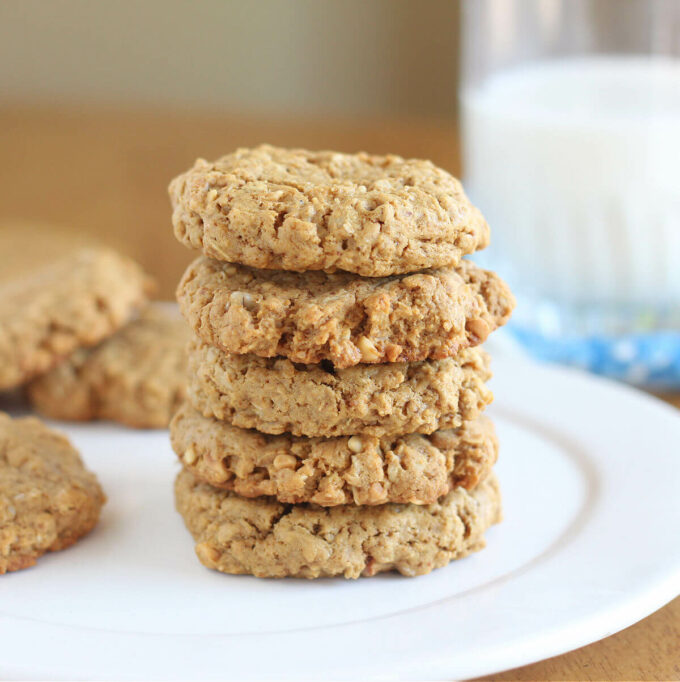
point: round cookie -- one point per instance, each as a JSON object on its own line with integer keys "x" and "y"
{"x": 362, "y": 470}
{"x": 292, "y": 209}
{"x": 268, "y": 539}
{"x": 77, "y": 301}
{"x": 136, "y": 377}
{"x": 48, "y": 499}
{"x": 342, "y": 317}
{"x": 274, "y": 395}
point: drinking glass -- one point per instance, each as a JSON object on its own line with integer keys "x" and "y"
{"x": 570, "y": 114}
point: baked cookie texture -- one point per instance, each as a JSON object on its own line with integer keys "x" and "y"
{"x": 275, "y": 395}
{"x": 292, "y": 209}
{"x": 136, "y": 377}
{"x": 333, "y": 421}
{"x": 48, "y": 499}
{"x": 362, "y": 470}
{"x": 269, "y": 539}
{"x": 342, "y": 317}
{"x": 78, "y": 301}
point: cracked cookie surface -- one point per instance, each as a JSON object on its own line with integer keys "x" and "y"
{"x": 48, "y": 499}
{"x": 77, "y": 301}
{"x": 274, "y": 395}
{"x": 362, "y": 470}
{"x": 342, "y": 317}
{"x": 265, "y": 538}
{"x": 292, "y": 209}
{"x": 136, "y": 377}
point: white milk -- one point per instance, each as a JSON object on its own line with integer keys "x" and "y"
{"x": 576, "y": 166}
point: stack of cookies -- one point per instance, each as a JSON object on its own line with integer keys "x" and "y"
{"x": 334, "y": 422}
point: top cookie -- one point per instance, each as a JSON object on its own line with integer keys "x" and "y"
{"x": 78, "y": 301}
{"x": 292, "y": 209}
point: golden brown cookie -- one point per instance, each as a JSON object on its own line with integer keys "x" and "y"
{"x": 292, "y": 209}
{"x": 136, "y": 377}
{"x": 48, "y": 499}
{"x": 269, "y": 539}
{"x": 78, "y": 301}
{"x": 342, "y": 317}
{"x": 363, "y": 470}
{"x": 274, "y": 395}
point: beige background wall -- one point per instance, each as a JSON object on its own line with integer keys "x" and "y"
{"x": 313, "y": 57}
{"x": 102, "y": 102}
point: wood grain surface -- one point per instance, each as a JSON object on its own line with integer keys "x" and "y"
{"x": 101, "y": 175}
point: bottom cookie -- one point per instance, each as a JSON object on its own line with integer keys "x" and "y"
{"x": 269, "y": 539}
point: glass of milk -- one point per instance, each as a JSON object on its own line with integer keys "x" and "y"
{"x": 571, "y": 130}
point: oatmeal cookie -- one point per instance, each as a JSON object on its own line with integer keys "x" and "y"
{"x": 77, "y": 301}
{"x": 292, "y": 209}
{"x": 269, "y": 539}
{"x": 136, "y": 377}
{"x": 363, "y": 470}
{"x": 274, "y": 395}
{"x": 48, "y": 499}
{"x": 341, "y": 317}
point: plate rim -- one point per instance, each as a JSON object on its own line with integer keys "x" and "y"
{"x": 558, "y": 639}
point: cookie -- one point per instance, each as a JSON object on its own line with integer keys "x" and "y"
{"x": 136, "y": 377}
{"x": 292, "y": 209}
{"x": 48, "y": 499}
{"x": 342, "y": 317}
{"x": 269, "y": 539}
{"x": 274, "y": 395}
{"x": 77, "y": 301}
{"x": 363, "y": 470}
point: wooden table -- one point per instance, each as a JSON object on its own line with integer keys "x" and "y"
{"x": 102, "y": 174}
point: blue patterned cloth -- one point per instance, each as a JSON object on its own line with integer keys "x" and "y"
{"x": 650, "y": 359}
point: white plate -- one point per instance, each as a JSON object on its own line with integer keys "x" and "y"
{"x": 590, "y": 544}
